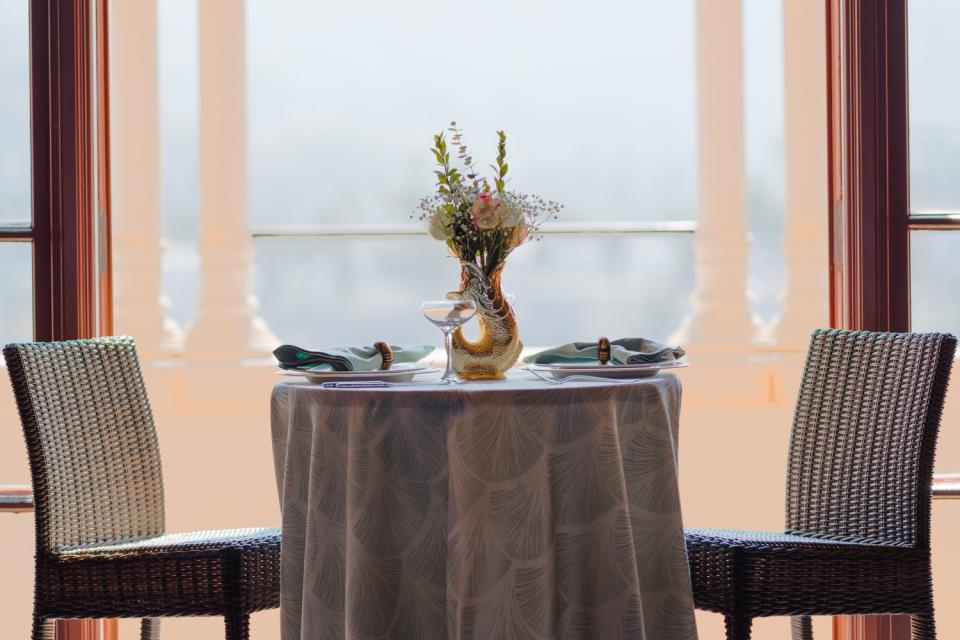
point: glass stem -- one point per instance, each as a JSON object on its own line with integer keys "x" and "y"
{"x": 448, "y": 375}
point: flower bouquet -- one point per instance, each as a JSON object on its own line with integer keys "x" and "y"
{"x": 482, "y": 222}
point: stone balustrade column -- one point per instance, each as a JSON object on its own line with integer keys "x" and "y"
{"x": 227, "y": 325}
{"x": 139, "y": 308}
{"x": 720, "y": 321}
{"x": 806, "y": 301}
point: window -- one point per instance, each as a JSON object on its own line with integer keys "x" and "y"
{"x": 50, "y": 281}
{"x": 935, "y": 236}
{"x": 934, "y": 192}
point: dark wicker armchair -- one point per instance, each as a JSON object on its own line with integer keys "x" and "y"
{"x": 857, "y": 537}
{"x": 102, "y": 551}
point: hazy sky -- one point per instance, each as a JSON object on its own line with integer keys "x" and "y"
{"x": 599, "y": 103}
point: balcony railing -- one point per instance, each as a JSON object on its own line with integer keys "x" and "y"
{"x": 19, "y": 498}
{"x": 946, "y": 486}
{"x": 16, "y": 498}
{"x": 553, "y": 228}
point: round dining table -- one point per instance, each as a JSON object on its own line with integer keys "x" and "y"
{"x": 507, "y": 510}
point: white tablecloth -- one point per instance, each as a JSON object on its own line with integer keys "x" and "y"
{"x": 484, "y": 511}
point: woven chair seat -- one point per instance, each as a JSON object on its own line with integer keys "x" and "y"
{"x": 761, "y": 573}
{"x": 192, "y": 542}
{"x": 772, "y": 541}
{"x": 179, "y": 574}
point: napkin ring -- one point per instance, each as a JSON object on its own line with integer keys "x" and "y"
{"x": 385, "y": 353}
{"x": 603, "y": 350}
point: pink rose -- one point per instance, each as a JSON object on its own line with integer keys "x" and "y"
{"x": 485, "y": 211}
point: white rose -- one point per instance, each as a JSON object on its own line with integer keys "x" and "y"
{"x": 510, "y": 216}
{"x": 438, "y": 228}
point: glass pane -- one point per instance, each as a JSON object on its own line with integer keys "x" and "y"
{"x": 16, "y": 325}
{"x": 935, "y": 306}
{"x": 14, "y": 113}
{"x": 366, "y": 287}
{"x": 16, "y": 292}
{"x": 934, "y": 94}
{"x": 598, "y": 102}
{"x": 934, "y": 273}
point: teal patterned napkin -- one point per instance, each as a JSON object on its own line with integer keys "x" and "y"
{"x": 622, "y": 351}
{"x": 348, "y": 358}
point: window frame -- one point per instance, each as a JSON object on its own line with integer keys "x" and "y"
{"x": 69, "y": 230}
{"x": 868, "y": 164}
{"x": 869, "y": 185}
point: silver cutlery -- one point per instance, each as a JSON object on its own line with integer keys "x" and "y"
{"x": 581, "y": 377}
{"x": 368, "y": 384}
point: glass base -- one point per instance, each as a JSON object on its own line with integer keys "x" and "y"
{"x": 479, "y": 376}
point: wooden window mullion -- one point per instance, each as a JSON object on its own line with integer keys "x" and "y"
{"x": 65, "y": 264}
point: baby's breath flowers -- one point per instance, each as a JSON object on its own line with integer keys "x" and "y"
{"x": 480, "y": 224}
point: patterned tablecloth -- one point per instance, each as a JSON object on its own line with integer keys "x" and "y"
{"x": 487, "y": 511}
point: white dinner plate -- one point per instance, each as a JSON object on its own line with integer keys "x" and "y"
{"x": 403, "y": 372}
{"x": 640, "y": 370}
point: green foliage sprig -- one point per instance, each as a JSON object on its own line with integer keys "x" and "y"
{"x": 448, "y": 179}
{"x": 500, "y": 170}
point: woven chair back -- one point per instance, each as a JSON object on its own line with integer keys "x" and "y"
{"x": 91, "y": 439}
{"x": 864, "y": 434}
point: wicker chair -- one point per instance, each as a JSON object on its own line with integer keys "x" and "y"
{"x": 857, "y": 537}
{"x": 102, "y": 551}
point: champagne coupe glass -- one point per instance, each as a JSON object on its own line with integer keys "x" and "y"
{"x": 449, "y": 315}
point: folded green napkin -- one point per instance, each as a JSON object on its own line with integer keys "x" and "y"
{"x": 346, "y": 358}
{"x": 622, "y": 351}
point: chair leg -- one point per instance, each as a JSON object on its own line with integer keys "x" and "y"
{"x": 238, "y": 626}
{"x": 801, "y": 628}
{"x": 150, "y": 629}
{"x": 923, "y": 625}
{"x": 738, "y": 628}
{"x": 43, "y": 628}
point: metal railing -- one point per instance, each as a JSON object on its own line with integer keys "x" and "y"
{"x": 413, "y": 229}
{"x": 19, "y": 498}
{"x": 935, "y": 221}
{"x": 946, "y": 486}
{"x": 16, "y": 498}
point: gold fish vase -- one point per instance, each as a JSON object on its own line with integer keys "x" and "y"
{"x": 498, "y": 345}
